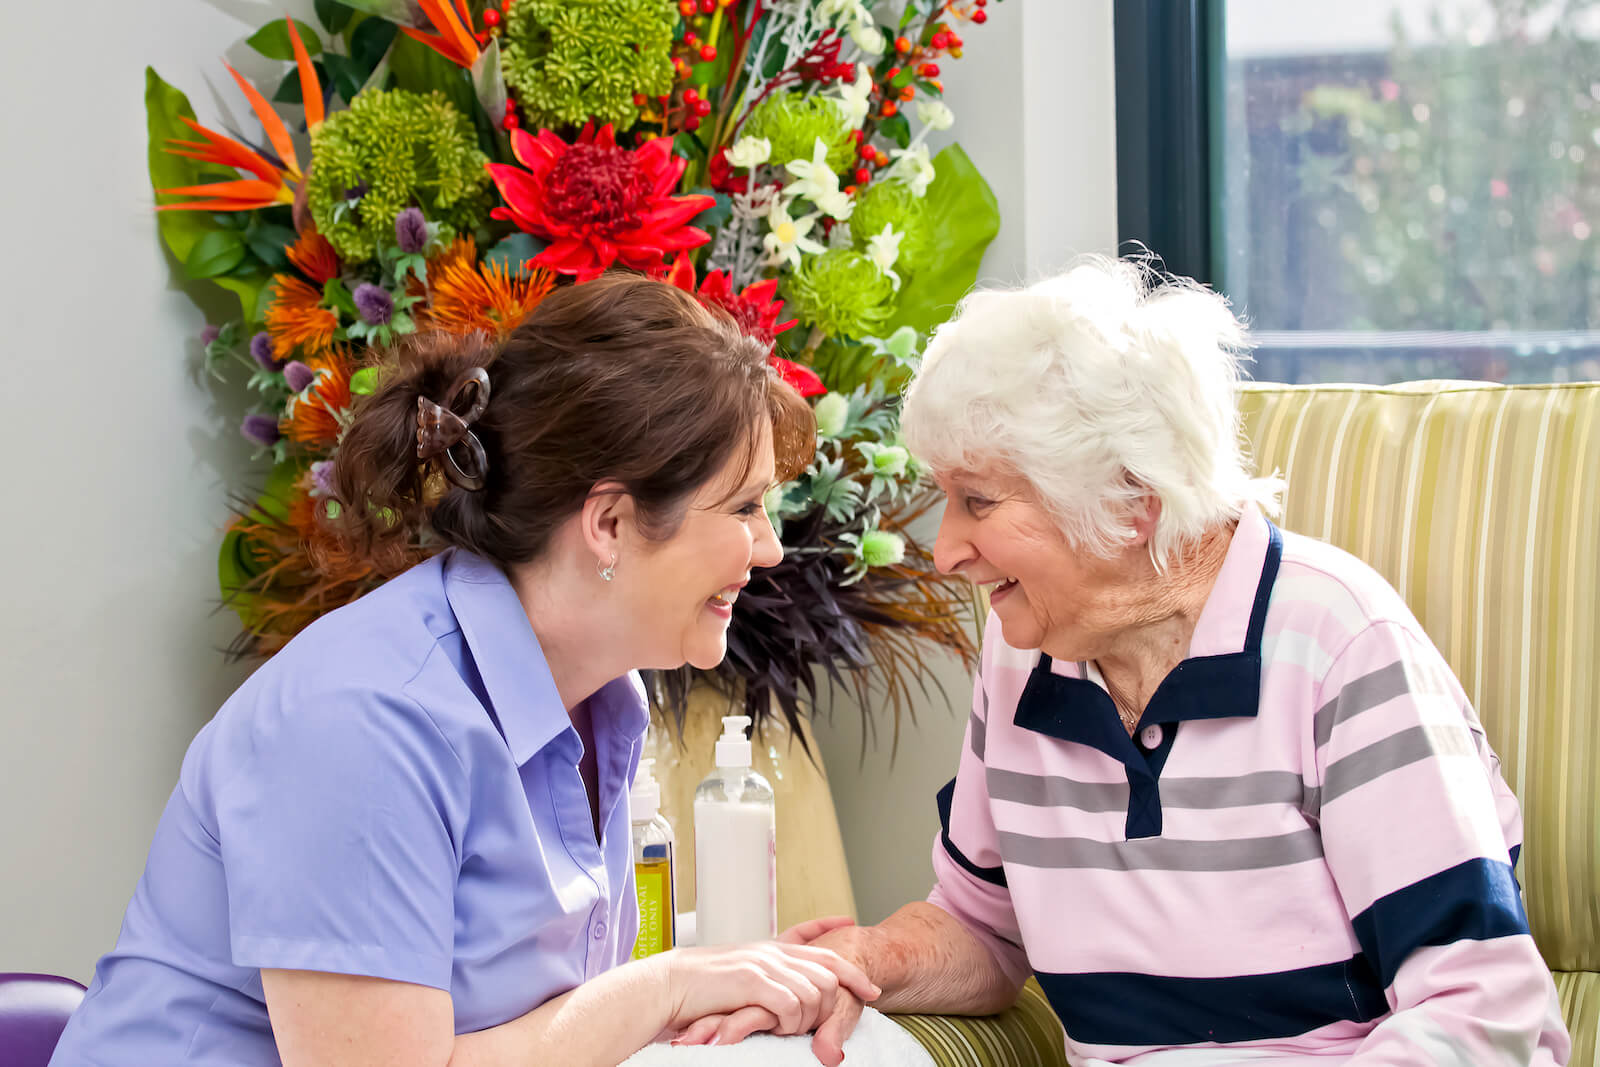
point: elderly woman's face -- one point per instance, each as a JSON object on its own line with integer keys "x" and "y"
{"x": 1045, "y": 593}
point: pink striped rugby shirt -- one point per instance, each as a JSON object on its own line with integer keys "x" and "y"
{"x": 1305, "y": 852}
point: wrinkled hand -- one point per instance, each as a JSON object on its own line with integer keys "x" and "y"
{"x": 833, "y": 1026}
{"x": 787, "y": 986}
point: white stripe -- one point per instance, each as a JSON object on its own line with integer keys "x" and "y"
{"x": 1527, "y": 587}
{"x": 1302, "y": 650}
{"x": 1408, "y": 526}
{"x": 1333, "y": 465}
{"x": 1479, "y": 613}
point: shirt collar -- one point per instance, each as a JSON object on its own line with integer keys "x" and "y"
{"x": 516, "y": 677}
{"x": 1221, "y": 678}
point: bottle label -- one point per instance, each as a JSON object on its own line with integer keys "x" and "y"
{"x": 652, "y": 878}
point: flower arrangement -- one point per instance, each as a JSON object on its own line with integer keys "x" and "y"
{"x": 444, "y": 164}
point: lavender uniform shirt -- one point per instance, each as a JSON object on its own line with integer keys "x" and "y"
{"x": 395, "y": 794}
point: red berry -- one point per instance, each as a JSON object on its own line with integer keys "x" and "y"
{"x": 929, "y": 70}
{"x": 937, "y": 84}
{"x": 890, "y": 108}
{"x": 902, "y": 45}
{"x": 640, "y": 100}
{"x": 702, "y": 108}
{"x": 980, "y": 16}
{"x": 866, "y": 151}
{"x": 691, "y": 95}
{"x": 981, "y": 3}
{"x": 956, "y": 41}
{"x": 707, "y": 6}
{"x": 510, "y": 122}
{"x": 863, "y": 175}
{"x": 482, "y": 39}
{"x": 849, "y": 190}
{"x": 880, "y": 158}
{"x": 907, "y": 92}
{"x": 890, "y": 74}
{"x": 856, "y": 135}
{"x": 941, "y": 41}
{"x": 691, "y": 124}
{"x": 709, "y": 52}
{"x": 691, "y": 39}
{"x": 686, "y": 8}
{"x": 491, "y": 16}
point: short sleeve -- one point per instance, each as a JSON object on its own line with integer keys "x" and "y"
{"x": 338, "y": 837}
{"x": 970, "y": 877}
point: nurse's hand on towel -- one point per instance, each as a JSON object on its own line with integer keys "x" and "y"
{"x": 844, "y": 1008}
{"x": 787, "y": 986}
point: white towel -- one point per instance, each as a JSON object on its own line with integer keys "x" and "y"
{"x": 877, "y": 1042}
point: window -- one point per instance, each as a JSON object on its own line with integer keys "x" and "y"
{"x": 1386, "y": 189}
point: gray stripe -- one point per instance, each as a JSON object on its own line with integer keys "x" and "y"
{"x": 979, "y": 730}
{"x": 1393, "y": 752}
{"x": 1360, "y": 695}
{"x": 1247, "y": 790}
{"x": 1159, "y": 853}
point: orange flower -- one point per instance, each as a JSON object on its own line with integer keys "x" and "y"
{"x": 270, "y": 185}
{"x": 314, "y": 256}
{"x": 454, "y": 38}
{"x": 315, "y": 418}
{"x": 472, "y": 297}
{"x": 297, "y": 319}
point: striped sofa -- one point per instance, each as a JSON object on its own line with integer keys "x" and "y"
{"x": 1481, "y": 504}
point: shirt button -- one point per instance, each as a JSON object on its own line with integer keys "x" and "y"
{"x": 599, "y": 931}
{"x": 1150, "y": 736}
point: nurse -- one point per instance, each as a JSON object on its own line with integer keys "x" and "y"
{"x": 405, "y": 839}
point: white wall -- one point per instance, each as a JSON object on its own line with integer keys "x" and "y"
{"x": 119, "y": 466}
{"x": 1042, "y": 132}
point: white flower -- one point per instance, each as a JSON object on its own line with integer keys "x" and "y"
{"x": 868, "y": 38}
{"x": 749, "y": 152}
{"x": 789, "y": 236}
{"x": 856, "y": 99}
{"x": 912, "y": 166}
{"x": 934, "y": 114}
{"x": 883, "y": 248}
{"x": 815, "y": 180}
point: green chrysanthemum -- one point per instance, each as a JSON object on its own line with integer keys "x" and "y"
{"x": 880, "y": 548}
{"x": 389, "y": 151}
{"x": 793, "y": 123}
{"x": 842, "y": 292}
{"x": 569, "y": 63}
{"x": 892, "y": 203}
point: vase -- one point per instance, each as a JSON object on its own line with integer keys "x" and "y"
{"x": 813, "y": 878}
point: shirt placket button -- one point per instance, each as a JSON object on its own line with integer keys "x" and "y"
{"x": 1150, "y": 736}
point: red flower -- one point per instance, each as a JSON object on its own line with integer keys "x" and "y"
{"x": 756, "y": 312}
{"x": 719, "y": 172}
{"x": 598, "y": 204}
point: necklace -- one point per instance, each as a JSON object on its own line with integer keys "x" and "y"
{"x": 1126, "y": 710}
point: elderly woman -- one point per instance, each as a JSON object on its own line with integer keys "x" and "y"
{"x": 1218, "y": 792}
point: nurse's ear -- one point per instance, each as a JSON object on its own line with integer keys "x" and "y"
{"x": 607, "y": 516}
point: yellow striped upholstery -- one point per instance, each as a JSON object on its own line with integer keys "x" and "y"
{"x": 1026, "y": 1035}
{"x": 1481, "y": 504}
{"x": 1580, "y": 1006}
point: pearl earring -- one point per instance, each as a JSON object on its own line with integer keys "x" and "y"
{"x": 609, "y": 571}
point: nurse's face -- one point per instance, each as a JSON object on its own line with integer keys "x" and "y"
{"x": 687, "y": 584}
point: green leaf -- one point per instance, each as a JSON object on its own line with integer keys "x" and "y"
{"x": 333, "y": 15}
{"x": 369, "y": 43}
{"x": 214, "y": 253}
{"x": 248, "y": 288}
{"x": 272, "y": 40}
{"x": 420, "y": 69}
{"x": 364, "y": 382}
{"x": 336, "y": 296}
{"x": 163, "y": 106}
{"x": 897, "y": 129}
{"x": 717, "y": 213}
{"x": 964, "y": 218}
{"x": 515, "y": 251}
{"x": 928, "y": 87}
{"x": 903, "y": 79}
{"x": 488, "y": 81}
{"x": 344, "y": 75}
{"x": 393, "y": 10}
{"x": 267, "y": 240}
{"x": 236, "y": 563}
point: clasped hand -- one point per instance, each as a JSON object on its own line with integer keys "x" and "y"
{"x": 788, "y": 986}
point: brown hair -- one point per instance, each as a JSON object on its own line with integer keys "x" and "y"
{"x": 619, "y": 379}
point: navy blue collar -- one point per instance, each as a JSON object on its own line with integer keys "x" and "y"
{"x": 1200, "y": 687}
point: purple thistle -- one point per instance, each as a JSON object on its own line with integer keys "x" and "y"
{"x": 374, "y": 303}
{"x": 261, "y": 429}
{"x": 322, "y": 478}
{"x": 411, "y": 230}
{"x": 261, "y": 349}
{"x": 298, "y": 376}
{"x": 211, "y": 332}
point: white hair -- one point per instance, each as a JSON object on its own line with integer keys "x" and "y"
{"x": 1097, "y": 386}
